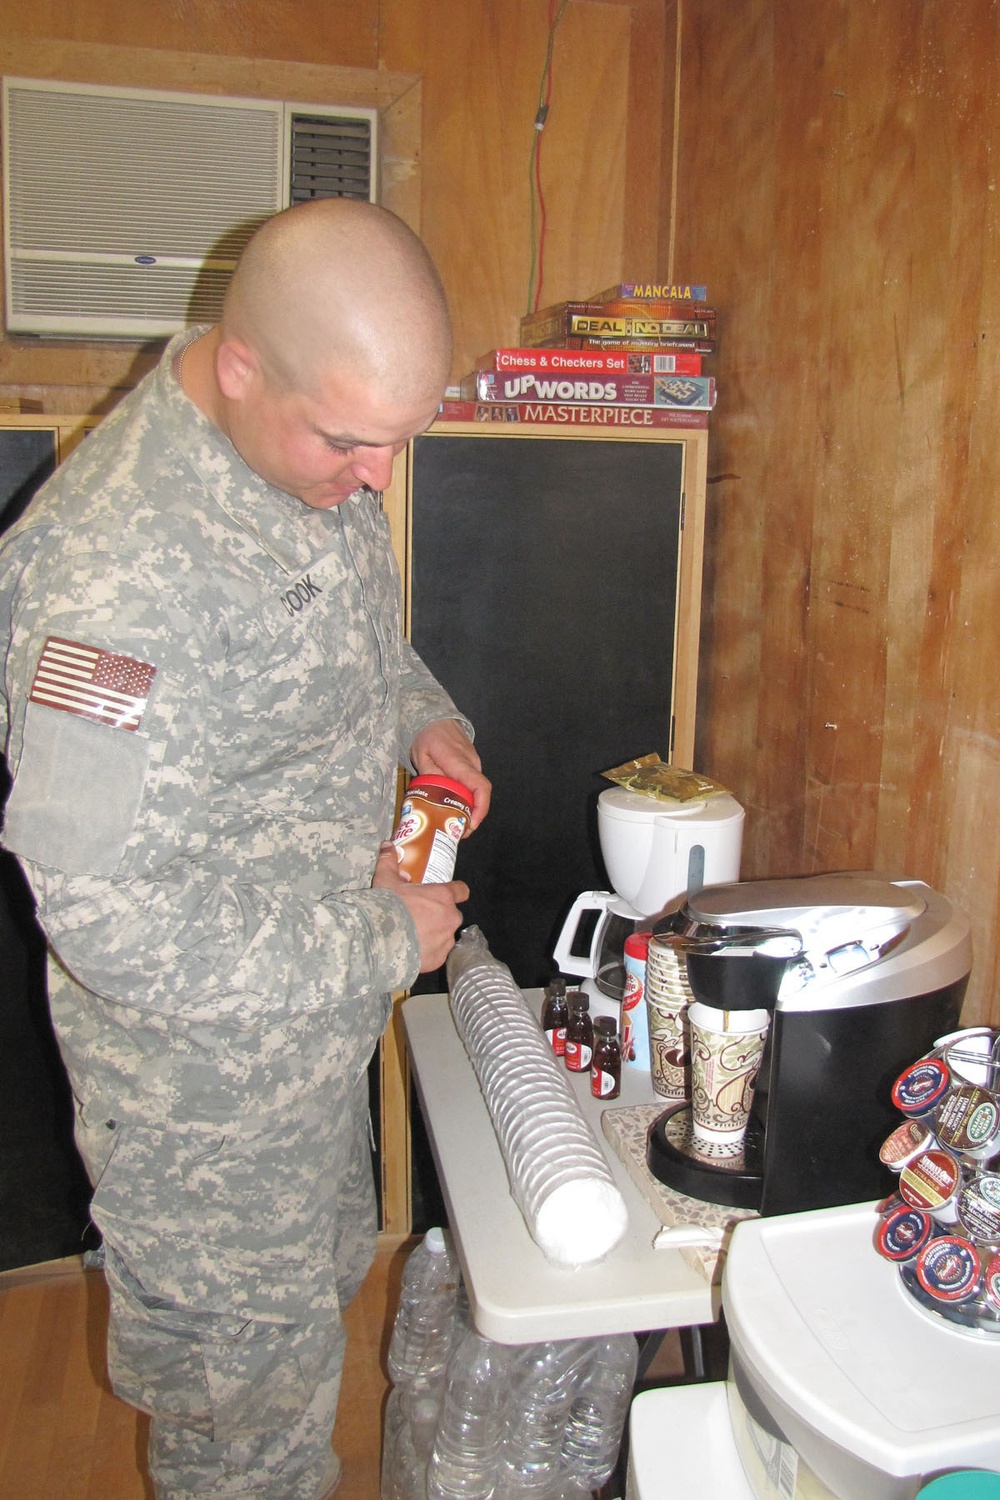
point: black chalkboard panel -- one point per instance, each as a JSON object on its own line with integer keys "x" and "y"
{"x": 543, "y": 593}
{"x": 27, "y": 458}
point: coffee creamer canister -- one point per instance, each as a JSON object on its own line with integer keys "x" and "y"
{"x": 433, "y": 817}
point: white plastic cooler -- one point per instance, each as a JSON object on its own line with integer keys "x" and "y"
{"x": 841, "y": 1386}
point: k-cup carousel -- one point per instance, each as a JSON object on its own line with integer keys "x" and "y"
{"x": 942, "y": 1226}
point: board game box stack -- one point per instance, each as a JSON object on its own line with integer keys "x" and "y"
{"x": 630, "y": 356}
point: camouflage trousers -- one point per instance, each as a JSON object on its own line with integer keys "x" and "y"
{"x": 228, "y": 1259}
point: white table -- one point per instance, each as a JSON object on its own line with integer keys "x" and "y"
{"x": 518, "y": 1296}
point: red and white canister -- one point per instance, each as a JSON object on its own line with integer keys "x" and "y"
{"x": 635, "y": 1022}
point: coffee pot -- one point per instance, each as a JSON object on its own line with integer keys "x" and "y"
{"x": 860, "y": 975}
{"x": 653, "y": 851}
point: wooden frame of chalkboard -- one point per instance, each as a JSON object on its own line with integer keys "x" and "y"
{"x": 552, "y": 581}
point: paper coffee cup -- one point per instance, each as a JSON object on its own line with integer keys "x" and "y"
{"x": 726, "y": 1051}
{"x": 668, "y": 996}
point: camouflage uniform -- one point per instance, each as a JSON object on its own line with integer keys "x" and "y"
{"x": 219, "y": 963}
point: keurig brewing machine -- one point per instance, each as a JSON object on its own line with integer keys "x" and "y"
{"x": 860, "y": 975}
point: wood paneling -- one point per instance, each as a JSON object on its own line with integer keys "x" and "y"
{"x": 64, "y": 1433}
{"x": 457, "y": 83}
{"x": 345, "y": 33}
{"x": 482, "y": 66}
{"x": 827, "y": 169}
{"x": 836, "y": 191}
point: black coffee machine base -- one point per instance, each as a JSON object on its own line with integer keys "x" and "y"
{"x": 670, "y": 1160}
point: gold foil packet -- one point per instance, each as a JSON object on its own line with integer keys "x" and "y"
{"x": 654, "y": 778}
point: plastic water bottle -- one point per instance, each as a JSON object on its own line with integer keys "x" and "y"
{"x": 422, "y": 1336}
{"x": 409, "y": 1470}
{"x": 404, "y": 1472}
{"x": 424, "y": 1324}
{"x": 600, "y": 1408}
{"x": 545, "y": 1383}
{"x": 392, "y": 1423}
{"x": 463, "y": 1463}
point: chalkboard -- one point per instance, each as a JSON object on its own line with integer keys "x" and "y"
{"x": 27, "y": 458}
{"x": 543, "y": 594}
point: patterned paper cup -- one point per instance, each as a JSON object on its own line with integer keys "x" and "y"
{"x": 668, "y": 996}
{"x": 726, "y": 1051}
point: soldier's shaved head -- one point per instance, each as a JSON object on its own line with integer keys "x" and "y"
{"x": 336, "y": 284}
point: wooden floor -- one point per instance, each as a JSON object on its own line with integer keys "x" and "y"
{"x": 65, "y": 1436}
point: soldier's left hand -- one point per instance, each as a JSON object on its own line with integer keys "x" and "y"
{"x": 444, "y": 748}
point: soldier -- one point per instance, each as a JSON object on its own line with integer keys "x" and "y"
{"x": 209, "y": 694}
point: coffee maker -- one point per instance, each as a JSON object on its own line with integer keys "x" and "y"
{"x": 861, "y": 976}
{"x": 653, "y": 851}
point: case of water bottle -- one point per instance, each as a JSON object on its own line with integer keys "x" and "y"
{"x": 470, "y": 1419}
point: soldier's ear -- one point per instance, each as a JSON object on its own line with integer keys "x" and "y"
{"x": 235, "y": 367}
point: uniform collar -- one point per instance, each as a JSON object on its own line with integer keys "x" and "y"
{"x": 290, "y": 531}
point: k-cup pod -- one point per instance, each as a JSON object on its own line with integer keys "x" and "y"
{"x": 668, "y": 996}
{"x": 902, "y": 1234}
{"x": 726, "y": 1051}
{"x": 991, "y": 1284}
{"x": 979, "y": 1208}
{"x": 949, "y": 1269}
{"x": 920, "y": 1088}
{"x": 905, "y": 1142}
{"x": 968, "y": 1121}
{"x": 931, "y": 1181}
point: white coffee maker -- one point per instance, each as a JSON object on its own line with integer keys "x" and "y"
{"x": 653, "y": 851}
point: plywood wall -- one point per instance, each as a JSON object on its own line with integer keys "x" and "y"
{"x": 827, "y": 167}
{"x": 837, "y": 190}
{"x": 459, "y": 83}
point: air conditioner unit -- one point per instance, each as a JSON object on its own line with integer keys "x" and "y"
{"x": 125, "y": 210}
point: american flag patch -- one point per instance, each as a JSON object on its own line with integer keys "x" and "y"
{"x": 91, "y": 683}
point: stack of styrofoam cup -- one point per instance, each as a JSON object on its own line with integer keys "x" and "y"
{"x": 558, "y": 1175}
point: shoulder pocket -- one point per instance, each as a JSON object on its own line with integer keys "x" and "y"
{"x": 76, "y": 792}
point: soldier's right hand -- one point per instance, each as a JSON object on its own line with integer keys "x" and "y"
{"x": 435, "y": 909}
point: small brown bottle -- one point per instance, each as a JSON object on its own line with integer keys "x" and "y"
{"x": 555, "y": 1013}
{"x": 579, "y": 1032}
{"x": 606, "y": 1063}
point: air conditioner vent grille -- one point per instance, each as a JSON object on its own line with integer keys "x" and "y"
{"x": 125, "y": 209}
{"x": 161, "y": 297}
{"x": 330, "y": 158}
{"x": 85, "y": 163}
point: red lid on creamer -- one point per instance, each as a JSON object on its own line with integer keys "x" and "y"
{"x": 447, "y": 783}
{"x": 637, "y": 944}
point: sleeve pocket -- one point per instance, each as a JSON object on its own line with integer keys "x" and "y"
{"x": 76, "y": 792}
